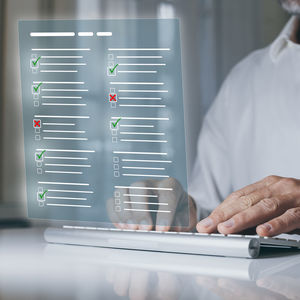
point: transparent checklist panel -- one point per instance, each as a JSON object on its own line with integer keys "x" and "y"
{"x": 103, "y": 120}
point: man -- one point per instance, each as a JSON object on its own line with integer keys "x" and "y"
{"x": 252, "y": 131}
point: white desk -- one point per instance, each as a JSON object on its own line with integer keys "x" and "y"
{"x": 31, "y": 269}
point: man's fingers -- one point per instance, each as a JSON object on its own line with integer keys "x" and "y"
{"x": 238, "y": 202}
{"x": 167, "y": 203}
{"x": 122, "y": 209}
{"x": 186, "y": 218}
{"x": 139, "y": 200}
{"x": 263, "y": 211}
{"x": 138, "y": 285}
{"x": 287, "y": 222}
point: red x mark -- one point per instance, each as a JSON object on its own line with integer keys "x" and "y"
{"x": 112, "y": 97}
{"x": 37, "y": 123}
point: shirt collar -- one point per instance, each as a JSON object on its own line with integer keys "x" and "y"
{"x": 282, "y": 40}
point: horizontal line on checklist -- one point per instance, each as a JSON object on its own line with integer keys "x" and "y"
{"x": 69, "y": 205}
{"x": 147, "y": 160}
{"x": 66, "y": 157}
{"x": 65, "y": 131}
{"x": 71, "y": 191}
{"x": 61, "y": 117}
{"x": 60, "y": 49}
{"x": 143, "y": 168}
{"x": 140, "y": 118}
{"x": 137, "y": 126}
{"x": 143, "y": 91}
{"x": 59, "y": 82}
{"x": 142, "y": 133}
{"x": 150, "y": 72}
{"x": 63, "y": 64}
{"x": 104, "y": 33}
{"x": 140, "y": 195}
{"x": 143, "y": 141}
{"x": 59, "y": 71}
{"x": 63, "y": 172}
{"x": 64, "y": 138}
{"x": 143, "y": 83}
{"x": 45, "y": 34}
{"x": 143, "y": 188}
{"x": 142, "y": 105}
{"x": 139, "y": 98}
{"x": 68, "y": 150}
{"x": 139, "y": 153}
{"x": 85, "y": 33}
{"x": 68, "y": 165}
{"x": 148, "y": 210}
{"x": 121, "y": 64}
{"x": 66, "y": 198}
{"x": 59, "y": 124}
{"x": 62, "y": 97}
{"x": 64, "y": 104}
{"x": 63, "y": 183}
{"x": 65, "y": 90}
{"x": 61, "y": 56}
{"x": 146, "y": 175}
{"x": 144, "y": 203}
{"x": 139, "y": 49}
{"x": 139, "y": 56}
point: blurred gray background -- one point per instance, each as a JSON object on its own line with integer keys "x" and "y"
{"x": 215, "y": 35}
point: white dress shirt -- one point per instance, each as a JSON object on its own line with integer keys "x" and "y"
{"x": 252, "y": 129}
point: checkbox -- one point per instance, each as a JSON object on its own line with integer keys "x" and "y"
{"x": 36, "y": 123}
{"x": 35, "y": 90}
{"x": 35, "y": 96}
{"x": 40, "y": 190}
{"x": 110, "y": 57}
{"x": 34, "y": 71}
{"x": 32, "y": 66}
{"x": 37, "y": 137}
{"x": 113, "y": 104}
{"x": 113, "y": 97}
{"x": 118, "y": 208}
{"x": 114, "y": 139}
{"x": 114, "y": 132}
{"x": 116, "y": 174}
{"x": 113, "y": 125}
{"x": 118, "y": 201}
{"x": 110, "y": 64}
{"x": 37, "y": 130}
{"x": 39, "y": 164}
{"x": 117, "y": 194}
{"x": 39, "y": 171}
{"x": 116, "y": 167}
{"x": 41, "y": 203}
{"x": 111, "y": 73}
{"x": 116, "y": 159}
{"x": 112, "y": 90}
{"x": 36, "y": 103}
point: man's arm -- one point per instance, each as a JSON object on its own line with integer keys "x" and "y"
{"x": 211, "y": 179}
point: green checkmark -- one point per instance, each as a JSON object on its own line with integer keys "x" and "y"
{"x": 34, "y": 62}
{"x": 36, "y": 88}
{"x": 39, "y": 156}
{"x": 113, "y": 69}
{"x": 43, "y": 195}
{"x": 115, "y": 124}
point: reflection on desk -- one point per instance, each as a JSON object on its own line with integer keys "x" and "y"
{"x": 31, "y": 269}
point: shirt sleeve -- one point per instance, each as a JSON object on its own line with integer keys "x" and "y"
{"x": 210, "y": 182}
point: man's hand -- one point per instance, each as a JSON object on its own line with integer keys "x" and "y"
{"x": 153, "y": 205}
{"x": 272, "y": 204}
